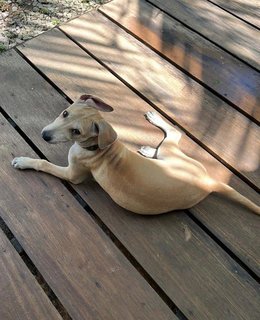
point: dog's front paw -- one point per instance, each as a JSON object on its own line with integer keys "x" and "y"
{"x": 22, "y": 163}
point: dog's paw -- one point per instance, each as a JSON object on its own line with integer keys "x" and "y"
{"x": 21, "y": 163}
{"x": 155, "y": 119}
{"x": 147, "y": 151}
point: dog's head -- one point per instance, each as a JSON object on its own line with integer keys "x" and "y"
{"x": 82, "y": 122}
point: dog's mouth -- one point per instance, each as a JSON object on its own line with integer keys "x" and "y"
{"x": 54, "y": 142}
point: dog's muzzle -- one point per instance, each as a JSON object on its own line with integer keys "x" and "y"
{"x": 46, "y": 135}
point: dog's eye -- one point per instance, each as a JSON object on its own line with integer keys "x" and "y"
{"x": 65, "y": 114}
{"x": 75, "y": 131}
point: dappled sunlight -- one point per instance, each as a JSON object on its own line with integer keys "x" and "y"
{"x": 248, "y": 10}
{"x": 134, "y": 79}
{"x": 151, "y": 28}
{"x": 148, "y": 70}
{"x": 236, "y": 142}
{"x": 237, "y": 40}
{"x": 133, "y": 136}
{"x": 253, "y": 103}
{"x": 249, "y": 164}
{"x": 217, "y": 125}
{"x": 150, "y": 25}
{"x": 211, "y": 164}
{"x": 87, "y": 76}
{"x": 207, "y": 117}
{"x": 202, "y": 59}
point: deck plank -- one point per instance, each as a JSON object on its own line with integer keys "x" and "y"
{"x": 231, "y": 223}
{"x": 222, "y": 129}
{"x": 21, "y": 297}
{"x": 90, "y": 276}
{"x": 199, "y": 57}
{"x": 248, "y": 10}
{"x": 217, "y": 25}
{"x": 191, "y": 272}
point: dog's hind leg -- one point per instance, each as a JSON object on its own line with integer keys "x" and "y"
{"x": 171, "y": 140}
{"x": 65, "y": 173}
{"x": 148, "y": 152}
{"x": 170, "y": 132}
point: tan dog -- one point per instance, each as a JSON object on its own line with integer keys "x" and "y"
{"x": 157, "y": 181}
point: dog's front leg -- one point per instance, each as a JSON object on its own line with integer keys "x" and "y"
{"x": 65, "y": 173}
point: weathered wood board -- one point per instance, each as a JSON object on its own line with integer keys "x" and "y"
{"x": 219, "y": 26}
{"x": 21, "y": 297}
{"x": 248, "y": 10}
{"x": 214, "y": 67}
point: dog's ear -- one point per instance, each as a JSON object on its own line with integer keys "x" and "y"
{"x": 97, "y": 103}
{"x": 106, "y": 134}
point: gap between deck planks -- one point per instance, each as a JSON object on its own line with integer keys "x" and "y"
{"x": 213, "y": 67}
{"x": 248, "y": 10}
{"x": 191, "y": 273}
{"x": 20, "y": 294}
{"x": 222, "y": 28}
{"x": 89, "y": 275}
{"x": 227, "y": 220}
{"x": 231, "y": 136}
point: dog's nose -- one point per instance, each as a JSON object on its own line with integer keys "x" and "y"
{"x": 46, "y": 136}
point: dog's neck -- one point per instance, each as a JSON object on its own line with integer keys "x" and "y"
{"x": 90, "y": 144}
{"x": 92, "y": 148}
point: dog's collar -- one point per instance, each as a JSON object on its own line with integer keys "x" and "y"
{"x": 92, "y": 148}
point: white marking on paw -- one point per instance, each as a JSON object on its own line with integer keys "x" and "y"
{"x": 155, "y": 119}
{"x": 21, "y": 163}
{"x": 147, "y": 151}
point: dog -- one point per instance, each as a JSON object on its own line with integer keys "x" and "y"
{"x": 152, "y": 181}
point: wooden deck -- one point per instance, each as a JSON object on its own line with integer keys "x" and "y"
{"x": 68, "y": 251}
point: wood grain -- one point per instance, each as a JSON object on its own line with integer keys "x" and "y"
{"x": 90, "y": 276}
{"x": 218, "y": 25}
{"x": 222, "y": 129}
{"x": 191, "y": 272}
{"x": 216, "y": 68}
{"x": 248, "y": 10}
{"x": 21, "y": 297}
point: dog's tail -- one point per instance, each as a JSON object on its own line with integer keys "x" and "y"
{"x": 231, "y": 193}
